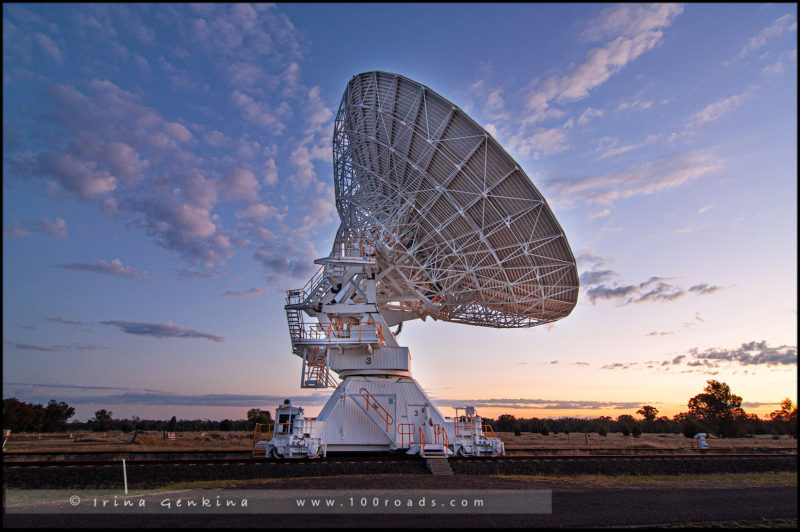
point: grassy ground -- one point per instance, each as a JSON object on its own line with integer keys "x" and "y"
{"x": 616, "y": 440}
{"x": 217, "y": 440}
{"x": 119, "y": 441}
{"x": 719, "y": 480}
{"x": 711, "y": 480}
{"x": 563, "y": 483}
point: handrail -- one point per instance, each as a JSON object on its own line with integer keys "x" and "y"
{"x": 488, "y": 433}
{"x": 403, "y": 434}
{"x": 362, "y": 332}
{"x": 461, "y": 423}
{"x": 257, "y": 433}
{"x": 422, "y": 441}
{"x": 390, "y": 238}
{"x": 316, "y": 368}
{"x": 274, "y": 428}
{"x": 388, "y": 419}
{"x": 355, "y": 247}
{"x": 439, "y": 431}
{"x": 299, "y": 295}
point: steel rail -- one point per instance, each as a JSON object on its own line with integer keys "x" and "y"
{"x": 133, "y": 460}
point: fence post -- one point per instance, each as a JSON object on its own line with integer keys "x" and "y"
{"x": 125, "y": 476}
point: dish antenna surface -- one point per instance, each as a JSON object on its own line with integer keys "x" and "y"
{"x": 461, "y": 232}
{"x": 437, "y": 220}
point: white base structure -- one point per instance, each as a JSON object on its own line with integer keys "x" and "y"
{"x": 377, "y": 406}
{"x": 379, "y": 413}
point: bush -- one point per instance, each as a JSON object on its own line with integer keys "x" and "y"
{"x": 691, "y": 427}
{"x": 637, "y": 432}
{"x": 602, "y": 432}
{"x": 517, "y": 432}
{"x": 625, "y": 431}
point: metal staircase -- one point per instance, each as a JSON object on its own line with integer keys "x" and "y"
{"x": 295, "y": 319}
{"x": 315, "y": 369}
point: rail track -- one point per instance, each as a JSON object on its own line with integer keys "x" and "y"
{"x": 168, "y": 457}
{"x": 74, "y": 458}
{"x": 154, "y": 469}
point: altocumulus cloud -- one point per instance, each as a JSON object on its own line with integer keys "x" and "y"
{"x": 750, "y": 354}
{"x": 163, "y": 398}
{"x": 115, "y": 268}
{"x": 57, "y": 229}
{"x": 655, "y": 176}
{"x": 113, "y": 144}
{"x": 50, "y": 348}
{"x": 247, "y": 294}
{"x": 160, "y": 330}
{"x": 548, "y": 404}
{"x": 599, "y": 284}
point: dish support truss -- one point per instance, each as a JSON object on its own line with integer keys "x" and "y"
{"x": 335, "y": 327}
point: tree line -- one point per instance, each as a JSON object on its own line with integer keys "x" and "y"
{"x": 19, "y": 416}
{"x": 715, "y": 411}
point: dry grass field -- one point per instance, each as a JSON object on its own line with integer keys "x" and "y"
{"x": 119, "y": 441}
{"x": 616, "y": 440}
{"x": 238, "y": 440}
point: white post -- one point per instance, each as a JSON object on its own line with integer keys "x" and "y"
{"x": 125, "y": 476}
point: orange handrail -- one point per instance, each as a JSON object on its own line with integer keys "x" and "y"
{"x": 388, "y": 419}
{"x": 488, "y": 432}
{"x": 403, "y": 434}
{"x": 440, "y": 432}
{"x": 266, "y": 434}
{"x": 257, "y": 432}
{"x": 330, "y": 331}
{"x": 356, "y": 247}
{"x": 460, "y": 423}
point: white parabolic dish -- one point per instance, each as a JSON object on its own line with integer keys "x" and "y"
{"x": 461, "y": 232}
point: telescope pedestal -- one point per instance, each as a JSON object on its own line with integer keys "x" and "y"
{"x": 370, "y": 413}
{"x": 377, "y": 406}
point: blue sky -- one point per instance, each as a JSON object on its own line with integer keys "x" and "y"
{"x": 167, "y": 175}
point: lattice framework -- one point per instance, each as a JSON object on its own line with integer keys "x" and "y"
{"x": 461, "y": 232}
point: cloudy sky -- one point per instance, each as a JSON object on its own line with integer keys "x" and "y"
{"x": 167, "y": 175}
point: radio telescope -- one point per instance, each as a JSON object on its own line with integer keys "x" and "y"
{"x": 439, "y": 221}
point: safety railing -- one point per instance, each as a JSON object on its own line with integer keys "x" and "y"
{"x": 464, "y": 426}
{"x": 261, "y": 433}
{"x": 488, "y": 432}
{"x": 440, "y": 435}
{"x": 266, "y": 431}
{"x": 315, "y": 369}
{"x": 406, "y": 430}
{"x": 357, "y": 247}
{"x": 422, "y": 442}
{"x": 390, "y": 238}
{"x": 393, "y": 240}
{"x": 299, "y": 295}
{"x": 371, "y": 401}
{"x": 344, "y": 332}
